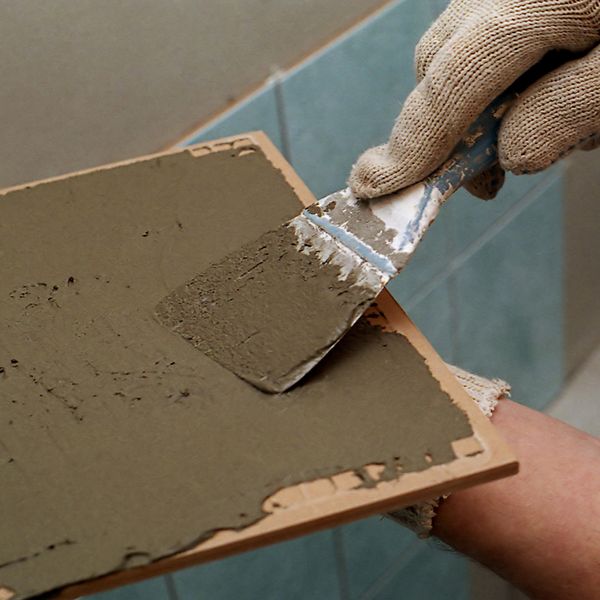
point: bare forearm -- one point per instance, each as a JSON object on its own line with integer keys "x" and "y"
{"x": 541, "y": 528}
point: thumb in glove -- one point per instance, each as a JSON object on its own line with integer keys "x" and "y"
{"x": 472, "y": 53}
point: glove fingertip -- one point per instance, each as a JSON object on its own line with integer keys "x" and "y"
{"x": 375, "y": 174}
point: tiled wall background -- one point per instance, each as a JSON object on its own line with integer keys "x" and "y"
{"x": 582, "y": 249}
{"x": 486, "y": 287}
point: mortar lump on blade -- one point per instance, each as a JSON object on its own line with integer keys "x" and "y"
{"x": 244, "y": 311}
{"x": 359, "y": 220}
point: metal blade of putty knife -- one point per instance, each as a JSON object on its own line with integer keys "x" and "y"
{"x": 273, "y": 309}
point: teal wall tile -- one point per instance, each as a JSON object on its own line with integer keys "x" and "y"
{"x": 373, "y": 547}
{"x": 299, "y": 569}
{"x": 347, "y": 97}
{"x": 469, "y": 216}
{"x": 258, "y": 111}
{"x": 437, "y": 6}
{"x": 435, "y": 315}
{"x": 509, "y": 300}
{"x": 433, "y": 574}
{"x": 462, "y": 220}
{"x": 151, "y": 589}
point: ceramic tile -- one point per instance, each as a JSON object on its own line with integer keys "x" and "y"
{"x": 470, "y": 217}
{"x": 151, "y": 589}
{"x": 582, "y": 253}
{"x": 460, "y": 223}
{"x": 299, "y": 569}
{"x": 510, "y": 301}
{"x": 435, "y": 315}
{"x": 346, "y": 98}
{"x": 437, "y": 7}
{"x": 432, "y": 575}
{"x": 462, "y": 220}
{"x": 259, "y": 111}
{"x": 578, "y": 403}
{"x": 371, "y": 547}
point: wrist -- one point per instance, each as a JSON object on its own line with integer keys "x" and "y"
{"x": 538, "y": 529}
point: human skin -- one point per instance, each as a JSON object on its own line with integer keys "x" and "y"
{"x": 540, "y": 529}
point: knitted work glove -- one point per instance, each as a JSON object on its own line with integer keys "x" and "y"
{"x": 471, "y": 54}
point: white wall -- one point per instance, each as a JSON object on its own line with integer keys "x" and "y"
{"x": 86, "y": 82}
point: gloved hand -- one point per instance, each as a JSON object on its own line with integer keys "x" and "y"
{"x": 471, "y": 54}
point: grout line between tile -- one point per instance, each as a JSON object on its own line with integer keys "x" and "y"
{"x": 498, "y": 225}
{"x": 171, "y": 587}
{"x": 223, "y": 116}
{"x": 340, "y": 563}
{"x": 282, "y": 124}
{"x": 453, "y": 325}
{"x": 412, "y": 552}
{"x": 452, "y": 301}
{"x": 507, "y": 217}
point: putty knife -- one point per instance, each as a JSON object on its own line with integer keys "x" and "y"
{"x": 271, "y": 310}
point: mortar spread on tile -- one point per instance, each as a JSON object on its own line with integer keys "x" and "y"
{"x": 120, "y": 442}
{"x": 244, "y": 311}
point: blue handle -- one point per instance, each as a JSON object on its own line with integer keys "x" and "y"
{"x": 476, "y": 152}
